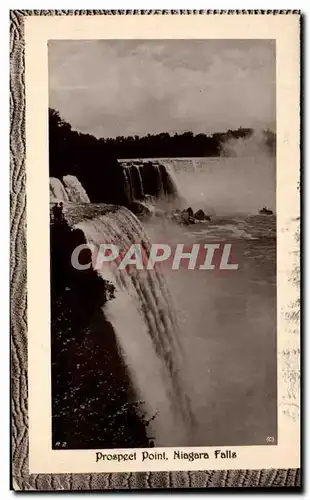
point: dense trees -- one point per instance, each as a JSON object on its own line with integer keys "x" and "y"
{"x": 94, "y": 161}
{"x": 72, "y": 147}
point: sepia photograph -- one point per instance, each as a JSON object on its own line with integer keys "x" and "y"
{"x": 155, "y": 299}
{"x": 162, "y": 165}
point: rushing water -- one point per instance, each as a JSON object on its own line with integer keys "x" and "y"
{"x": 140, "y": 180}
{"x": 149, "y": 177}
{"x": 57, "y": 191}
{"x": 143, "y": 318}
{"x": 75, "y": 190}
{"x": 226, "y": 185}
{"x": 198, "y": 342}
{"x": 227, "y": 319}
{"x": 227, "y": 327}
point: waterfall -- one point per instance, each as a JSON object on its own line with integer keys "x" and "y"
{"x": 143, "y": 318}
{"x": 169, "y": 167}
{"x": 184, "y": 164}
{"x": 149, "y": 177}
{"x": 140, "y": 179}
{"x": 133, "y": 183}
{"x": 57, "y": 190}
{"x": 202, "y": 182}
{"x": 160, "y": 183}
{"x": 75, "y": 190}
{"x": 128, "y": 185}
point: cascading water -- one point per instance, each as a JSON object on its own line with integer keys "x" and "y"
{"x": 202, "y": 182}
{"x": 132, "y": 183}
{"x": 149, "y": 178}
{"x": 184, "y": 164}
{"x": 159, "y": 179}
{"x": 143, "y": 319}
{"x": 170, "y": 169}
{"x": 142, "y": 315}
{"x": 76, "y": 192}
{"x": 128, "y": 185}
{"x": 57, "y": 191}
{"x": 140, "y": 179}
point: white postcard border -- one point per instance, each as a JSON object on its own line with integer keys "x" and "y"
{"x": 285, "y": 30}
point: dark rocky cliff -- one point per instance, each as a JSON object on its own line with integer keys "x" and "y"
{"x": 93, "y": 401}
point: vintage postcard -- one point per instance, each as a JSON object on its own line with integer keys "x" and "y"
{"x": 156, "y": 217}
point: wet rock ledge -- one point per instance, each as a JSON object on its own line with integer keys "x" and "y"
{"x": 93, "y": 401}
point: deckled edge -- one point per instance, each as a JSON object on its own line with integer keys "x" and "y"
{"x": 147, "y": 12}
{"x": 21, "y": 479}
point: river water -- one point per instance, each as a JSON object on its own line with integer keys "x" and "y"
{"x": 199, "y": 345}
{"x": 227, "y": 319}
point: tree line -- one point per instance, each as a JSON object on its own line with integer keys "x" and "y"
{"x": 92, "y": 159}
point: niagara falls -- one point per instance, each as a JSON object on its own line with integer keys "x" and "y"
{"x": 163, "y": 238}
{"x": 157, "y": 315}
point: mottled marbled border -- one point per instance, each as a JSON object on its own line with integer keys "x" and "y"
{"x": 21, "y": 479}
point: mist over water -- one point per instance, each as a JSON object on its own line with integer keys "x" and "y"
{"x": 200, "y": 346}
{"x": 227, "y": 325}
{"x": 242, "y": 182}
{"x": 143, "y": 318}
{"x": 227, "y": 321}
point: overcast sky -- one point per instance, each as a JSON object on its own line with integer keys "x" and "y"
{"x": 111, "y": 88}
